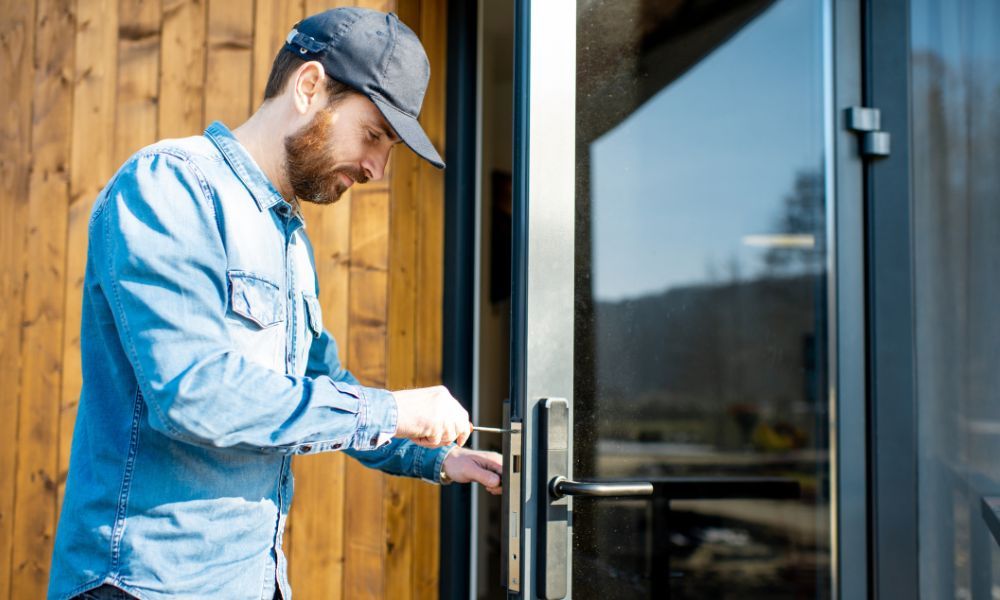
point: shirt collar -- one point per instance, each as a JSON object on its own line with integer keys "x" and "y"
{"x": 240, "y": 161}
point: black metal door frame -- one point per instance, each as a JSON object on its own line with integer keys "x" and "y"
{"x": 892, "y": 403}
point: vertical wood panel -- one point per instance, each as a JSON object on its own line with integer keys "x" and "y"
{"x": 430, "y": 296}
{"x": 364, "y": 548}
{"x": 182, "y": 68}
{"x": 229, "y": 62}
{"x": 16, "y": 72}
{"x": 91, "y": 165}
{"x": 401, "y": 361}
{"x": 48, "y": 206}
{"x": 138, "y": 76}
{"x": 399, "y": 506}
{"x": 273, "y": 19}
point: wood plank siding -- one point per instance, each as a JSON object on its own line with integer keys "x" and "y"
{"x": 85, "y": 84}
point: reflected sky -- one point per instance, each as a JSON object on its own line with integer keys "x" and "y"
{"x": 708, "y": 160}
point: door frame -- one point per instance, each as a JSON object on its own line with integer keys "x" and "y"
{"x": 459, "y": 355}
{"x": 892, "y": 401}
{"x": 542, "y": 267}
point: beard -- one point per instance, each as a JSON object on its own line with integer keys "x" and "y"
{"x": 309, "y": 162}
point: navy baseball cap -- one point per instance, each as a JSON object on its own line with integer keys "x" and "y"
{"x": 379, "y": 56}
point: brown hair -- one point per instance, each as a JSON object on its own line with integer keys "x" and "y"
{"x": 285, "y": 63}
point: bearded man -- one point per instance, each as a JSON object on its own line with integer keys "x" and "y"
{"x": 206, "y": 364}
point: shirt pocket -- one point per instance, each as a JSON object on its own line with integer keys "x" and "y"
{"x": 255, "y": 298}
{"x": 314, "y": 314}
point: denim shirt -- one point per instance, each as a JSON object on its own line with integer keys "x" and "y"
{"x": 206, "y": 367}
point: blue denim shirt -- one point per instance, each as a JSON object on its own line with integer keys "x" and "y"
{"x": 206, "y": 367}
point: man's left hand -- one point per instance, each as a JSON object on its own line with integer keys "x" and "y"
{"x": 463, "y": 465}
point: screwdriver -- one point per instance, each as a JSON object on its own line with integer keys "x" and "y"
{"x": 491, "y": 429}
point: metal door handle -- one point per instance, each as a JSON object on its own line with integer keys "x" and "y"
{"x": 561, "y": 486}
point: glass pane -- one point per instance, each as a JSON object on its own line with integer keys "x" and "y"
{"x": 701, "y": 294}
{"x": 955, "y": 60}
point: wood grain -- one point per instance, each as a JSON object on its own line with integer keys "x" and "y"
{"x": 182, "y": 68}
{"x": 273, "y": 19}
{"x": 17, "y": 34}
{"x": 363, "y": 529}
{"x": 42, "y": 322}
{"x": 86, "y": 84}
{"x": 228, "y": 69}
{"x": 430, "y": 296}
{"x": 138, "y": 77}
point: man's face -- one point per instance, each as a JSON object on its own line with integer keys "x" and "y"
{"x": 344, "y": 143}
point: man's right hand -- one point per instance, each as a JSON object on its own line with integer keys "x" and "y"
{"x": 431, "y": 417}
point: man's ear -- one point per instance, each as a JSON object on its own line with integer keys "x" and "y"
{"x": 307, "y": 86}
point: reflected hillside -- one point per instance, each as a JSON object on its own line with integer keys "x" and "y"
{"x": 740, "y": 353}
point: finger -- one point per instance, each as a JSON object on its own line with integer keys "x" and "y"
{"x": 427, "y": 442}
{"x": 487, "y": 479}
{"x": 432, "y": 437}
{"x": 490, "y": 461}
{"x": 496, "y": 491}
{"x": 465, "y": 435}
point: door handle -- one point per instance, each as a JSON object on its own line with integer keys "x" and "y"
{"x": 561, "y": 486}
{"x": 556, "y": 490}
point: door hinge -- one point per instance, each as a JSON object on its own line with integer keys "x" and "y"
{"x": 873, "y": 142}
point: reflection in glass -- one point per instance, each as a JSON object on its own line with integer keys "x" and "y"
{"x": 955, "y": 86}
{"x": 701, "y": 294}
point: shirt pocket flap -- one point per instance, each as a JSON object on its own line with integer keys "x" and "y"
{"x": 314, "y": 314}
{"x": 255, "y": 298}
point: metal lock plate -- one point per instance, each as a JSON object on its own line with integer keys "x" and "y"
{"x": 510, "y": 540}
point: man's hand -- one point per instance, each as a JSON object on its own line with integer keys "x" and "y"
{"x": 463, "y": 465}
{"x": 431, "y": 417}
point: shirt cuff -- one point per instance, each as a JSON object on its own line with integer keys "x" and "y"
{"x": 377, "y": 417}
{"x": 432, "y": 462}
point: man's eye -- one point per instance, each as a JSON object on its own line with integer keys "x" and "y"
{"x": 373, "y": 136}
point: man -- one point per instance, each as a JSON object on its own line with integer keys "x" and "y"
{"x": 206, "y": 364}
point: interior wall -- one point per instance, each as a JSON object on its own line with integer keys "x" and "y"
{"x": 86, "y": 84}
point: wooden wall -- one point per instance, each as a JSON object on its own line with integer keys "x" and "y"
{"x": 85, "y": 83}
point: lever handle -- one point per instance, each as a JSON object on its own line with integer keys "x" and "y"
{"x": 561, "y": 486}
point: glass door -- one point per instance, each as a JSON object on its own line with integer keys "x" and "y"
{"x": 679, "y": 382}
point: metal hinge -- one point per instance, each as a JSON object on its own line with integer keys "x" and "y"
{"x": 866, "y": 121}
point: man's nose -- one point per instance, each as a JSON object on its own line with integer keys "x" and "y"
{"x": 374, "y": 166}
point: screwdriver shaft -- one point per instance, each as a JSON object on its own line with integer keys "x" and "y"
{"x": 490, "y": 429}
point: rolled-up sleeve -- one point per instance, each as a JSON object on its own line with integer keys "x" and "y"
{"x": 162, "y": 265}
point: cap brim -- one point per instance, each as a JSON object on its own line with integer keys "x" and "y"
{"x": 409, "y": 130}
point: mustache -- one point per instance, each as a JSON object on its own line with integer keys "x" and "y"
{"x": 356, "y": 173}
